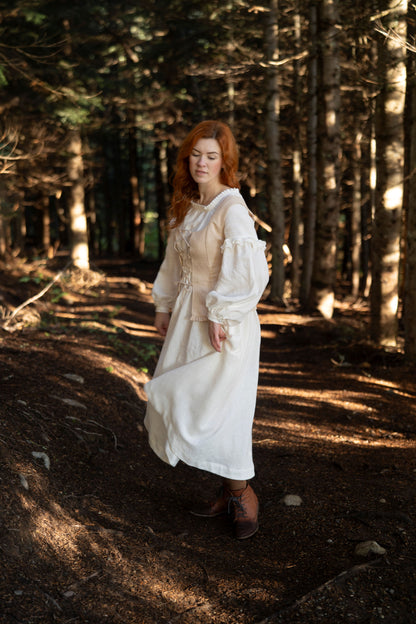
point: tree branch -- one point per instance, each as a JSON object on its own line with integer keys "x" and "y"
{"x": 35, "y": 297}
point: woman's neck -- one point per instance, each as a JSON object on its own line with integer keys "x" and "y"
{"x": 206, "y": 195}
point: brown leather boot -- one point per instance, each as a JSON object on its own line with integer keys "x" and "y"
{"x": 215, "y": 508}
{"x": 245, "y": 506}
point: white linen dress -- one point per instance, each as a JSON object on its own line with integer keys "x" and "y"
{"x": 201, "y": 402}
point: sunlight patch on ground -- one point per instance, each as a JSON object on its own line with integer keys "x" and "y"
{"x": 106, "y": 321}
{"x": 136, "y": 329}
{"x": 345, "y": 399}
{"x": 59, "y": 535}
{"x": 281, "y": 369}
{"x": 312, "y": 432}
{"x": 388, "y": 385}
{"x": 128, "y": 373}
{"x": 55, "y": 528}
{"x": 284, "y": 319}
{"x": 309, "y": 398}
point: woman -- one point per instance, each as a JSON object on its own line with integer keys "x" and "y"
{"x": 202, "y": 397}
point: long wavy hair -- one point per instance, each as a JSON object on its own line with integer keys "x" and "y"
{"x": 185, "y": 189}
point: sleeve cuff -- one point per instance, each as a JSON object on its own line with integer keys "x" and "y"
{"x": 162, "y": 309}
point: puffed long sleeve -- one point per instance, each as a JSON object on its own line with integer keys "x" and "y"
{"x": 244, "y": 272}
{"x": 165, "y": 287}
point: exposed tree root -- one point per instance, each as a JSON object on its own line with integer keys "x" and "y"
{"x": 336, "y": 580}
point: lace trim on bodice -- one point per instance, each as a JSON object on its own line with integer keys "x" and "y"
{"x": 182, "y": 247}
{"x": 184, "y": 232}
{"x": 217, "y": 199}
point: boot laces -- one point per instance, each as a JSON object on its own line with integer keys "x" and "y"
{"x": 239, "y": 510}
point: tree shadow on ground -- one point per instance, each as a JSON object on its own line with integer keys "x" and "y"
{"x": 104, "y": 534}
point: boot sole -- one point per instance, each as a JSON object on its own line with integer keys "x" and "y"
{"x": 202, "y": 515}
{"x": 243, "y": 537}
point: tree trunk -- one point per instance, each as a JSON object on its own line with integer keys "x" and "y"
{"x": 78, "y": 235}
{"x": 274, "y": 180}
{"x": 312, "y": 142}
{"x": 77, "y": 216}
{"x": 297, "y": 169}
{"x": 109, "y": 222}
{"x": 356, "y": 216}
{"x": 119, "y": 198}
{"x": 367, "y": 218}
{"x": 410, "y": 263}
{"x": 20, "y": 225}
{"x": 92, "y": 223}
{"x": 231, "y": 102}
{"x": 161, "y": 181}
{"x": 3, "y": 245}
{"x": 322, "y": 293}
{"x": 46, "y": 226}
{"x": 390, "y": 173}
{"x": 136, "y": 221}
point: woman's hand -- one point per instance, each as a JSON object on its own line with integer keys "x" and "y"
{"x": 162, "y": 322}
{"x": 216, "y": 335}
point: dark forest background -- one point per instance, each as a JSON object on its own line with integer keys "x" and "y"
{"x": 95, "y": 98}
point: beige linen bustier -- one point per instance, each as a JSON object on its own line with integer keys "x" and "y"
{"x": 206, "y": 256}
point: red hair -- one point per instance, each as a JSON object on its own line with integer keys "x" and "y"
{"x": 185, "y": 189}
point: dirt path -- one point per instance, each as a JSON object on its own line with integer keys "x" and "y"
{"x": 95, "y": 529}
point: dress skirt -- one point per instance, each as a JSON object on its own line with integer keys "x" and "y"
{"x": 201, "y": 403}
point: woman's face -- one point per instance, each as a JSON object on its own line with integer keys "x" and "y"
{"x": 205, "y": 161}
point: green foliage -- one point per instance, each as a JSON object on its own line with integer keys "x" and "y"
{"x": 3, "y": 79}
{"x": 57, "y": 294}
{"x": 72, "y": 116}
{"x": 36, "y": 279}
{"x": 112, "y": 313}
{"x": 33, "y": 17}
{"x": 151, "y": 235}
{"x": 135, "y": 350}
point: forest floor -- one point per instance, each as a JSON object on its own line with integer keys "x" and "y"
{"x": 95, "y": 529}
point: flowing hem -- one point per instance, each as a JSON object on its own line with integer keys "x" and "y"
{"x": 219, "y": 470}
